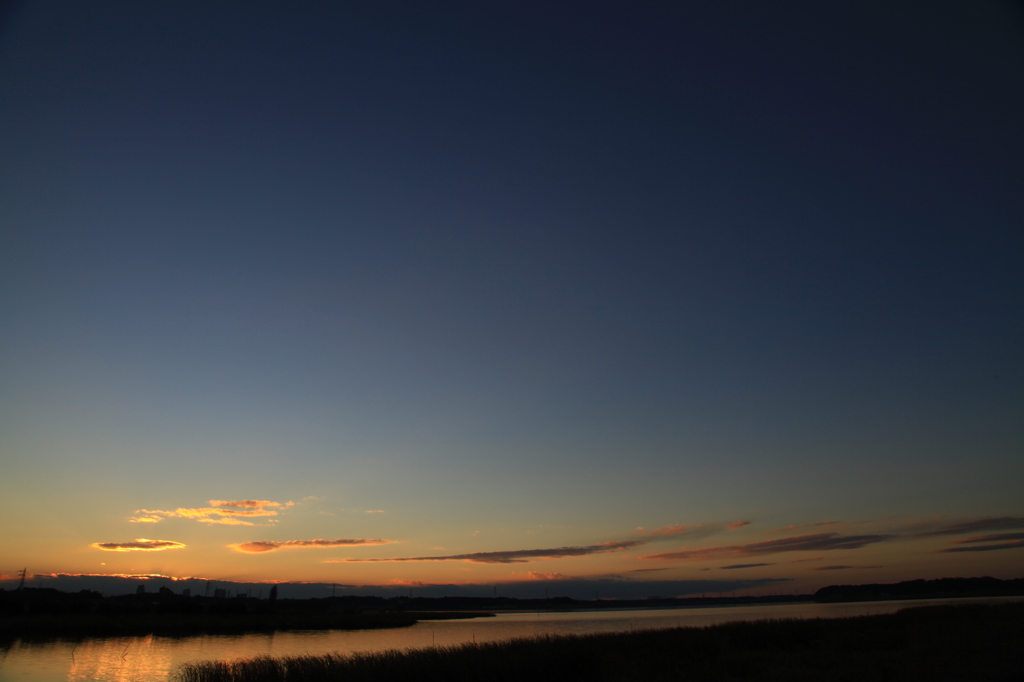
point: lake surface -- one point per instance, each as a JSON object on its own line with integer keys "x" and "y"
{"x": 154, "y": 659}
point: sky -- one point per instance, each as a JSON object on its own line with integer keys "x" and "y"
{"x": 639, "y": 298}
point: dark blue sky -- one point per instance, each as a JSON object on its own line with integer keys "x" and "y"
{"x": 633, "y": 244}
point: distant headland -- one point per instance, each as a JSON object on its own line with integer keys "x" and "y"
{"x": 47, "y": 612}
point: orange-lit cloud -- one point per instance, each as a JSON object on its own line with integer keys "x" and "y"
{"x": 736, "y": 524}
{"x": 218, "y": 512}
{"x": 133, "y": 576}
{"x": 261, "y": 546}
{"x": 203, "y": 512}
{"x": 800, "y": 543}
{"x": 734, "y": 566}
{"x": 519, "y": 556}
{"x": 140, "y": 545}
{"x": 228, "y": 521}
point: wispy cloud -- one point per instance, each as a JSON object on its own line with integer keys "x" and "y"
{"x": 839, "y": 568}
{"x": 227, "y": 521}
{"x": 987, "y": 543}
{"x": 727, "y": 568}
{"x": 538, "y": 575}
{"x": 681, "y": 530}
{"x": 262, "y": 546}
{"x": 674, "y": 529}
{"x": 203, "y": 512}
{"x": 249, "y": 504}
{"x": 978, "y": 526}
{"x": 801, "y": 543}
{"x": 696, "y": 531}
{"x": 805, "y": 525}
{"x": 998, "y": 537}
{"x": 139, "y": 545}
{"x": 219, "y": 512}
{"x": 519, "y": 556}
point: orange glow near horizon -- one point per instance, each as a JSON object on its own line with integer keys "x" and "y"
{"x": 751, "y": 553}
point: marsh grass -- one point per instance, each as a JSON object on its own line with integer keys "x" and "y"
{"x": 936, "y": 643}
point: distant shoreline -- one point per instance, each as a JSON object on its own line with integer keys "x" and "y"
{"x": 90, "y": 625}
{"x": 48, "y": 613}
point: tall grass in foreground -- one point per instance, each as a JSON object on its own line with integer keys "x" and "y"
{"x": 965, "y": 642}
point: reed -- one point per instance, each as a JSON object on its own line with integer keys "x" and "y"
{"x": 937, "y": 643}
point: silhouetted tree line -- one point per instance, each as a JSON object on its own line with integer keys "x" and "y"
{"x": 924, "y": 589}
{"x": 47, "y": 612}
{"x": 567, "y": 603}
{"x": 45, "y": 600}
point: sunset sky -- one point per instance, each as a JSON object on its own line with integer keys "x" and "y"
{"x": 638, "y": 297}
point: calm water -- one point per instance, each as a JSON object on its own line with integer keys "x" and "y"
{"x": 154, "y": 659}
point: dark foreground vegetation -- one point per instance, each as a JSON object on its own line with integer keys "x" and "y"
{"x": 976, "y": 642}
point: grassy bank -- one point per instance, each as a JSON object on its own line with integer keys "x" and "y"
{"x": 935, "y": 643}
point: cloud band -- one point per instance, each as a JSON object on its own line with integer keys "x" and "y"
{"x": 263, "y": 546}
{"x": 519, "y": 556}
{"x": 139, "y": 545}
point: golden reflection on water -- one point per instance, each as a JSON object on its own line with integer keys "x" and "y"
{"x": 119, "y": 660}
{"x": 155, "y": 659}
